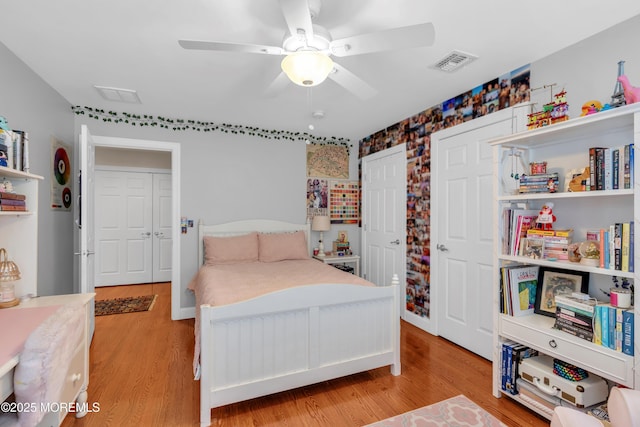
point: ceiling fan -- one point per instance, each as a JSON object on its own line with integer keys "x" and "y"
{"x": 307, "y": 48}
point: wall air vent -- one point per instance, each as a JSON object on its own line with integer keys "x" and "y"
{"x": 454, "y": 61}
{"x": 118, "y": 95}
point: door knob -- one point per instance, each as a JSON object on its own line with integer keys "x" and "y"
{"x": 147, "y": 234}
{"x": 395, "y": 242}
{"x": 442, "y": 247}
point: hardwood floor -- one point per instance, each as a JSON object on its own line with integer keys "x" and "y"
{"x": 140, "y": 375}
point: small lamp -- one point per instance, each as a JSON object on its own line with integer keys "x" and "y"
{"x": 321, "y": 223}
{"x": 9, "y": 273}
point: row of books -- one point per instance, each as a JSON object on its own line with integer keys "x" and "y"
{"x": 13, "y": 202}
{"x": 611, "y": 168}
{"x": 616, "y": 246}
{"x": 539, "y": 183}
{"x": 593, "y": 321}
{"x": 512, "y": 354}
{"x": 14, "y": 147}
{"x": 518, "y": 287}
{"x": 516, "y": 222}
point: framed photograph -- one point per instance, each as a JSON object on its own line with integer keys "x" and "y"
{"x": 554, "y": 281}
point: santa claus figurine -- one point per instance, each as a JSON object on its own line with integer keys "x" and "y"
{"x": 546, "y": 218}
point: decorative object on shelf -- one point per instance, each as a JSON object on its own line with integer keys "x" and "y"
{"x": 555, "y": 281}
{"x": 591, "y": 107}
{"x": 513, "y": 166}
{"x": 9, "y": 274}
{"x": 631, "y": 93}
{"x": 568, "y": 371}
{"x": 574, "y": 254}
{"x": 589, "y": 253}
{"x": 554, "y": 112}
{"x": 578, "y": 179}
{"x": 182, "y": 125}
{"x": 321, "y": 223}
{"x": 538, "y": 168}
{"x": 546, "y": 218}
{"x": 625, "y": 285}
{"x": 4, "y": 125}
{"x": 617, "y": 99}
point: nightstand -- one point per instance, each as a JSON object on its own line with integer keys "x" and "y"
{"x": 335, "y": 259}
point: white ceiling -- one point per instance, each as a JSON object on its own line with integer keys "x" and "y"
{"x": 76, "y": 44}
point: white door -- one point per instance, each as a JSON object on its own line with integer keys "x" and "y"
{"x": 384, "y": 215}
{"x": 123, "y": 228}
{"x": 85, "y": 219}
{"x": 462, "y": 244}
{"x": 162, "y": 241}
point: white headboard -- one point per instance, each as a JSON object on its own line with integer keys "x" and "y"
{"x": 238, "y": 228}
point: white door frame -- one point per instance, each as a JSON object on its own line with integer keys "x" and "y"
{"x": 518, "y": 116}
{"x": 177, "y": 311}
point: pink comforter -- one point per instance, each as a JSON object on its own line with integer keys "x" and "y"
{"x": 227, "y": 284}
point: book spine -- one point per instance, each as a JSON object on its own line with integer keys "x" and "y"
{"x": 612, "y": 249}
{"x": 631, "y": 165}
{"x": 627, "y": 166}
{"x": 604, "y": 312}
{"x": 25, "y": 152}
{"x": 13, "y": 208}
{"x": 585, "y": 335}
{"x": 618, "y": 334}
{"x": 608, "y": 170}
{"x": 599, "y": 169}
{"x": 621, "y": 163}
{"x": 605, "y": 246}
{"x": 627, "y": 332}
{"x": 601, "y": 243}
{"x": 597, "y": 325}
{"x": 592, "y": 167}
{"x": 625, "y": 247}
{"x": 13, "y": 202}
{"x": 632, "y": 252}
{"x": 574, "y": 305}
{"x": 615, "y": 166}
{"x": 14, "y": 196}
{"x": 618, "y": 246}
{"x": 612, "y": 327}
{"x": 17, "y": 149}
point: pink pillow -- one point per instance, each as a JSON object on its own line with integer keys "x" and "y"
{"x": 231, "y": 250}
{"x": 282, "y": 246}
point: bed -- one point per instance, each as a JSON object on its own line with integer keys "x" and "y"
{"x": 251, "y": 344}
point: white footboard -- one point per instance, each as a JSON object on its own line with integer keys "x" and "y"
{"x": 296, "y": 337}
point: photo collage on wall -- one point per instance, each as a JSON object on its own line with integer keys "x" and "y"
{"x": 505, "y": 91}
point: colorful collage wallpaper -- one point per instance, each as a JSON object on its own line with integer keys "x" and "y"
{"x": 505, "y": 91}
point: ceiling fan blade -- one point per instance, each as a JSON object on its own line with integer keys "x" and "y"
{"x": 396, "y": 38}
{"x": 298, "y": 17}
{"x": 231, "y": 47}
{"x": 351, "y": 82}
{"x": 277, "y": 85}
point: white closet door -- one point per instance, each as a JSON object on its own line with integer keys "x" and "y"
{"x": 162, "y": 242}
{"x": 123, "y": 228}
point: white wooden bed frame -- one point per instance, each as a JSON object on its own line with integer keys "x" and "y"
{"x": 294, "y": 337}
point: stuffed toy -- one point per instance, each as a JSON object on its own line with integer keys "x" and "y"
{"x": 546, "y": 218}
{"x": 631, "y": 93}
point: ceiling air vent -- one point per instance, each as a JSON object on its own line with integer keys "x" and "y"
{"x": 118, "y": 95}
{"x": 454, "y": 61}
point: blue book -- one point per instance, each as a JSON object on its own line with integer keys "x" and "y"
{"x": 606, "y": 249}
{"x": 631, "y": 168}
{"x": 627, "y": 332}
{"x": 612, "y": 327}
{"x": 604, "y": 322}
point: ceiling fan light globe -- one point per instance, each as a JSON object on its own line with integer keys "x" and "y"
{"x": 307, "y": 68}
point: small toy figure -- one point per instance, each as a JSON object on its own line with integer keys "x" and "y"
{"x": 546, "y": 218}
{"x": 3, "y": 124}
{"x": 631, "y": 93}
{"x": 551, "y": 185}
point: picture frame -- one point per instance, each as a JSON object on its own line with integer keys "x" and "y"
{"x": 553, "y": 281}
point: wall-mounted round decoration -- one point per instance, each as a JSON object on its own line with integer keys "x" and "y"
{"x": 66, "y": 197}
{"x": 62, "y": 166}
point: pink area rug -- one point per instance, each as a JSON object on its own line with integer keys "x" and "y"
{"x": 455, "y": 412}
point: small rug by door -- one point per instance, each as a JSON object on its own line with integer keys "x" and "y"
{"x": 125, "y": 305}
{"x": 458, "y": 411}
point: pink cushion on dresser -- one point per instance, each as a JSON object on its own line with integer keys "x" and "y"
{"x": 231, "y": 250}
{"x": 282, "y": 246}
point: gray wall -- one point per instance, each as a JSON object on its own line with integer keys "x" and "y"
{"x": 31, "y": 105}
{"x": 229, "y": 177}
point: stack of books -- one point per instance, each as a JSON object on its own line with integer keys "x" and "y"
{"x": 512, "y": 354}
{"x": 613, "y": 328}
{"x": 575, "y": 315}
{"x": 540, "y": 183}
{"x": 553, "y": 243}
{"x": 12, "y": 202}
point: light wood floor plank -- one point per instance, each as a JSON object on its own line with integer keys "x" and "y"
{"x": 141, "y": 375}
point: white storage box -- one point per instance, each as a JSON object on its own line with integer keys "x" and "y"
{"x": 538, "y": 370}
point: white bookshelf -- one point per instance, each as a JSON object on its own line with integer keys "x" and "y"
{"x": 564, "y": 146}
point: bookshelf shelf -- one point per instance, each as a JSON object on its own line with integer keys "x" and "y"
{"x": 565, "y": 148}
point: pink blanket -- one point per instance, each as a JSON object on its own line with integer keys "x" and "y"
{"x": 229, "y": 284}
